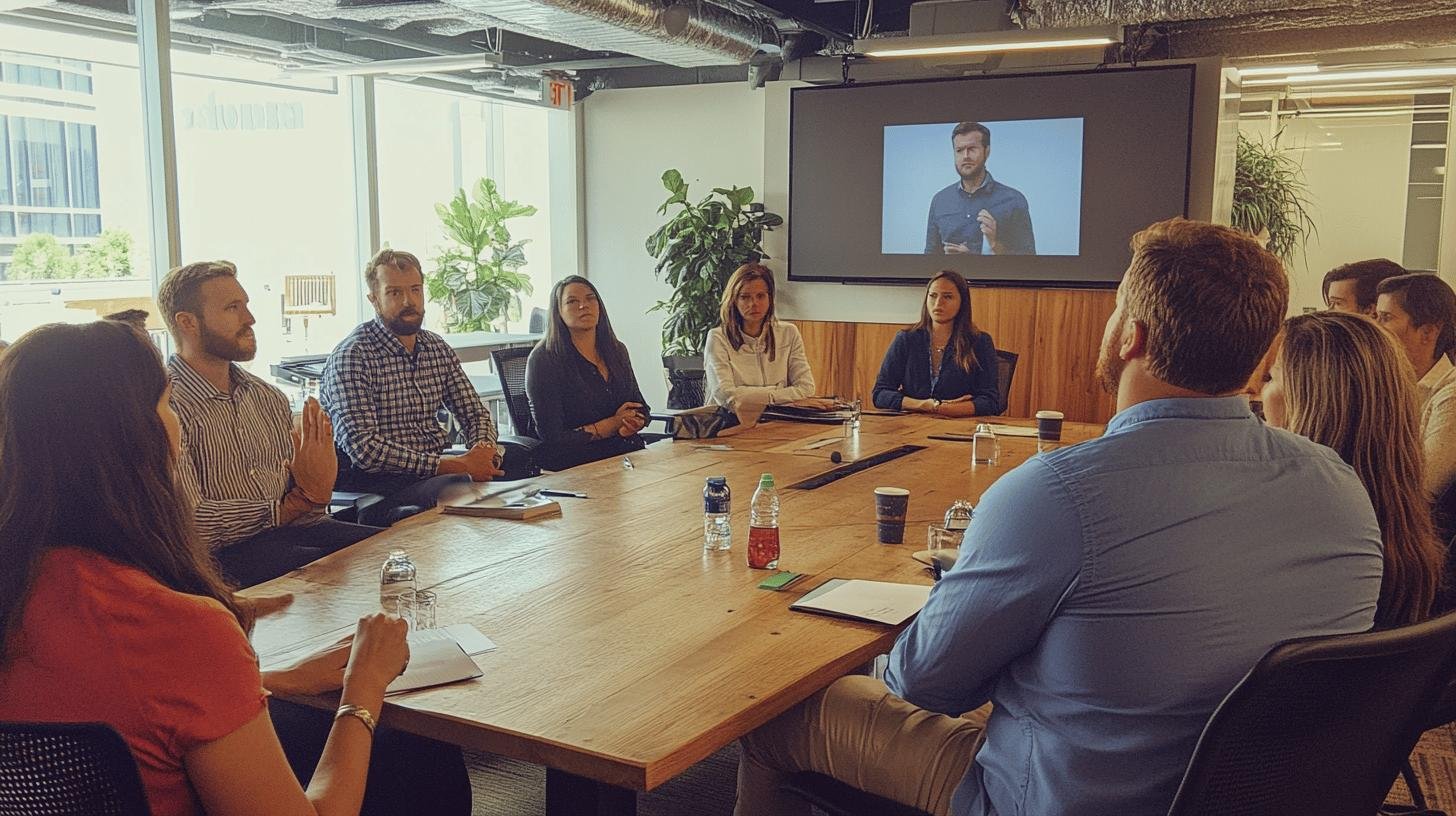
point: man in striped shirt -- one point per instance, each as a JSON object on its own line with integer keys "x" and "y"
{"x": 259, "y": 486}
{"x": 384, "y": 387}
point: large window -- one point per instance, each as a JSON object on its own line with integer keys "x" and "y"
{"x": 265, "y": 179}
{"x": 73, "y": 214}
{"x": 433, "y": 143}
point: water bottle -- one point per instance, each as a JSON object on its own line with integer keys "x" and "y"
{"x": 984, "y": 447}
{"x": 763, "y": 525}
{"x": 397, "y": 575}
{"x": 958, "y": 517}
{"x": 717, "y": 503}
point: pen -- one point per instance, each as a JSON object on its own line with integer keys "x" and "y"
{"x": 571, "y": 494}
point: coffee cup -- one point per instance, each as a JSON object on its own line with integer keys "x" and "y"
{"x": 1048, "y": 428}
{"x": 891, "y": 505}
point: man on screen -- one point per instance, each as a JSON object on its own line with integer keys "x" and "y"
{"x": 977, "y": 215}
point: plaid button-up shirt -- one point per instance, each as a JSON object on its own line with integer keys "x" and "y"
{"x": 383, "y": 400}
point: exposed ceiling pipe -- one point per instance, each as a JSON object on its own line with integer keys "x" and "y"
{"x": 687, "y": 33}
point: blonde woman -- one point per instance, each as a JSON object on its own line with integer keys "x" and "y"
{"x": 1340, "y": 380}
{"x": 751, "y": 358}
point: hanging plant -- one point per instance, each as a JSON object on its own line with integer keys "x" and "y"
{"x": 1270, "y": 194}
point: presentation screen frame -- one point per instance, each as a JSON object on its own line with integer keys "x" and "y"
{"x": 930, "y": 263}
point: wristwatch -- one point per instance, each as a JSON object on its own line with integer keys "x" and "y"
{"x": 935, "y": 406}
{"x": 358, "y": 712}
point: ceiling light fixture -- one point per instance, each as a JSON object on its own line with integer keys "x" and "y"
{"x": 1356, "y": 76}
{"x": 989, "y": 42}
{"x": 1277, "y": 70}
{"x": 409, "y": 65}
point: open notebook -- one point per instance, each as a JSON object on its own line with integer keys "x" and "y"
{"x": 872, "y": 601}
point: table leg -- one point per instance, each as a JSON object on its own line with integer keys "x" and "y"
{"x": 572, "y": 795}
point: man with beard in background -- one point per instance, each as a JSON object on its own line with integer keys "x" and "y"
{"x": 977, "y": 215}
{"x": 384, "y": 386}
{"x": 258, "y": 484}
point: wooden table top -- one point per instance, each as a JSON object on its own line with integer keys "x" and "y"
{"x": 626, "y": 654}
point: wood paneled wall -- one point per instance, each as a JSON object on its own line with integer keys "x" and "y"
{"x": 1056, "y": 332}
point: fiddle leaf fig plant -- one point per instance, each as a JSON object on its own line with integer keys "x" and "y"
{"x": 477, "y": 278}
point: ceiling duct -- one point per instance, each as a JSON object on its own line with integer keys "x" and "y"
{"x": 1076, "y": 13}
{"x": 689, "y": 34}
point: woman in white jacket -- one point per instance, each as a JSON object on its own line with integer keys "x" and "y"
{"x": 751, "y": 356}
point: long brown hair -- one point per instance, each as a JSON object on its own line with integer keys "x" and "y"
{"x": 1348, "y": 386}
{"x": 728, "y": 316}
{"x": 85, "y": 462}
{"x": 558, "y": 336}
{"x": 963, "y": 333}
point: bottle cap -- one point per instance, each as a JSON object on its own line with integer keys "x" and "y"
{"x": 766, "y": 480}
{"x": 717, "y": 480}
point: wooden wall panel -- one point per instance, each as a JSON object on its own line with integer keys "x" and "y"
{"x": 1055, "y": 332}
{"x": 1069, "y": 333}
{"x": 830, "y": 349}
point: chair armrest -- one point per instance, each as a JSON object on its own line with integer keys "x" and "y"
{"x": 519, "y": 456}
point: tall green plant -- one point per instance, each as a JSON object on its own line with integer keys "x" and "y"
{"x": 39, "y": 256}
{"x": 477, "y": 278}
{"x": 108, "y": 257}
{"x": 696, "y": 250}
{"x": 1270, "y": 193}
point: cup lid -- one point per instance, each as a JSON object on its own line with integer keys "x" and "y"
{"x": 1050, "y": 415}
{"x": 892, "y": 491}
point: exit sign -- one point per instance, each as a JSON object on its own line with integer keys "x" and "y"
{"x": 557, "y": 93}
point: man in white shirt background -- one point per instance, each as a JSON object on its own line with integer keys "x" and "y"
{"x": 1420, "y": 310}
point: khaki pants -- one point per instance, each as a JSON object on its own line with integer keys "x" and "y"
{"x": 859, "y": 733}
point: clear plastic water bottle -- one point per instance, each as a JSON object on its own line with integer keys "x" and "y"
{"x": 397, "y": 575}
{"x": 763, "y": 525}
{"x": 984, "y": 447}
{"x": 717, "y": 504}
{"x": 958, "y": 517}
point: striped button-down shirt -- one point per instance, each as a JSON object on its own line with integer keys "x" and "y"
{"x": 383, "y": 400}
{"x": 235, "y": 450}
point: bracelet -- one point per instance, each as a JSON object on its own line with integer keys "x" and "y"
{"x": 360, "y": 712}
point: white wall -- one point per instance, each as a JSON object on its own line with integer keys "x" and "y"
{"x": 1357, "y": 168}
{"x": 713, "y": 134}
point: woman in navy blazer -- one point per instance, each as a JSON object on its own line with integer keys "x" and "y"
{"x": 942, "y": 365}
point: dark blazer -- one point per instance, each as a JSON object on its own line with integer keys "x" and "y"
{"x": 906, "y": 373}
{"x": 567, "y": 392}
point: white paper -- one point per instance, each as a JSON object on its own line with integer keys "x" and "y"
{"x": 878, "y": 601}
{"x": 471, "y": 641}
{"x": 1013, "y": 430}
{"x": 434, "y": 662}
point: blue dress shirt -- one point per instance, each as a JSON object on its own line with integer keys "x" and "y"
{"x": 1110, "y": 594}
{"x": 905, "y": 372}
{"x": 954, "y": 218}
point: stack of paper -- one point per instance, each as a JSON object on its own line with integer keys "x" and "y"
{"x": 874, "y": 601}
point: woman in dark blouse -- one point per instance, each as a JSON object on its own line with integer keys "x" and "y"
{"x": 584, "y": 398}
{"x": 942, "y": 365}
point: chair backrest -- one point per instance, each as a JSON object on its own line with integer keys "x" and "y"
{"x": 1320, "y": 725}
{"x": 537, "y": 323}
{"x": 1005, "y": 370}
{"x": 308, "y": 295}
{"x": 510, "y": 365}
{"x": 68, "y": 769}
{"x": 687, "y": 389}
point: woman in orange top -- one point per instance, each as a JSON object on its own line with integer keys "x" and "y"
{"x": 109, "y": 611}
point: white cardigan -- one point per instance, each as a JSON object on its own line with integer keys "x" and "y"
{"x": 734, "y": 374}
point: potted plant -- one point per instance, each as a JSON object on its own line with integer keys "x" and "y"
{"x": 696, "y": 251}
{"x": 477, "y": 278}
{"x": 1270, "y": 195}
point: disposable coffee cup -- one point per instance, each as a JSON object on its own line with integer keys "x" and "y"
{"x": 1049, "y": 426}
{"x": 891, "y": 505}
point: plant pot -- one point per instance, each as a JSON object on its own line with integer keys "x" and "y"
{"x": 686, "y": 380}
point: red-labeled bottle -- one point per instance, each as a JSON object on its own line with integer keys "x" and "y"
{"x": 763, "y": 525}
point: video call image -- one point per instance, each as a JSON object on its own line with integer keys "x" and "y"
{"x": 983, "y": 188}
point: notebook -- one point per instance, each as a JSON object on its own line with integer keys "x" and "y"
{"x": 872, "y": 601}
{"x": 434, "y": 662}
{"x": 517, "y": 504}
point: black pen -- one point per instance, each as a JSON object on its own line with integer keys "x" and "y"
{"x": 569, "y": 494}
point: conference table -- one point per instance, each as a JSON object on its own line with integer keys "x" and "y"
{"x": 627, "y": 654}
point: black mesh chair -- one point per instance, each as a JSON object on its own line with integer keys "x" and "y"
{"x": 838, "y": 799}
{"x": 520, "y": 446}
{"x": 68, "y": 769}
{"x": 537, "y": 323}
{"x": 1320, "y": 725}
{"x": 1005, "y": 370}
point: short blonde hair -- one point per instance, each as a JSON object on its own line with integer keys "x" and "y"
{"x": 1211, "y": 299}
{"x": 181, "y": 289}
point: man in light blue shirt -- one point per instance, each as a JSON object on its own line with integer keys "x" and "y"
{"x": 1110, "y": 594}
